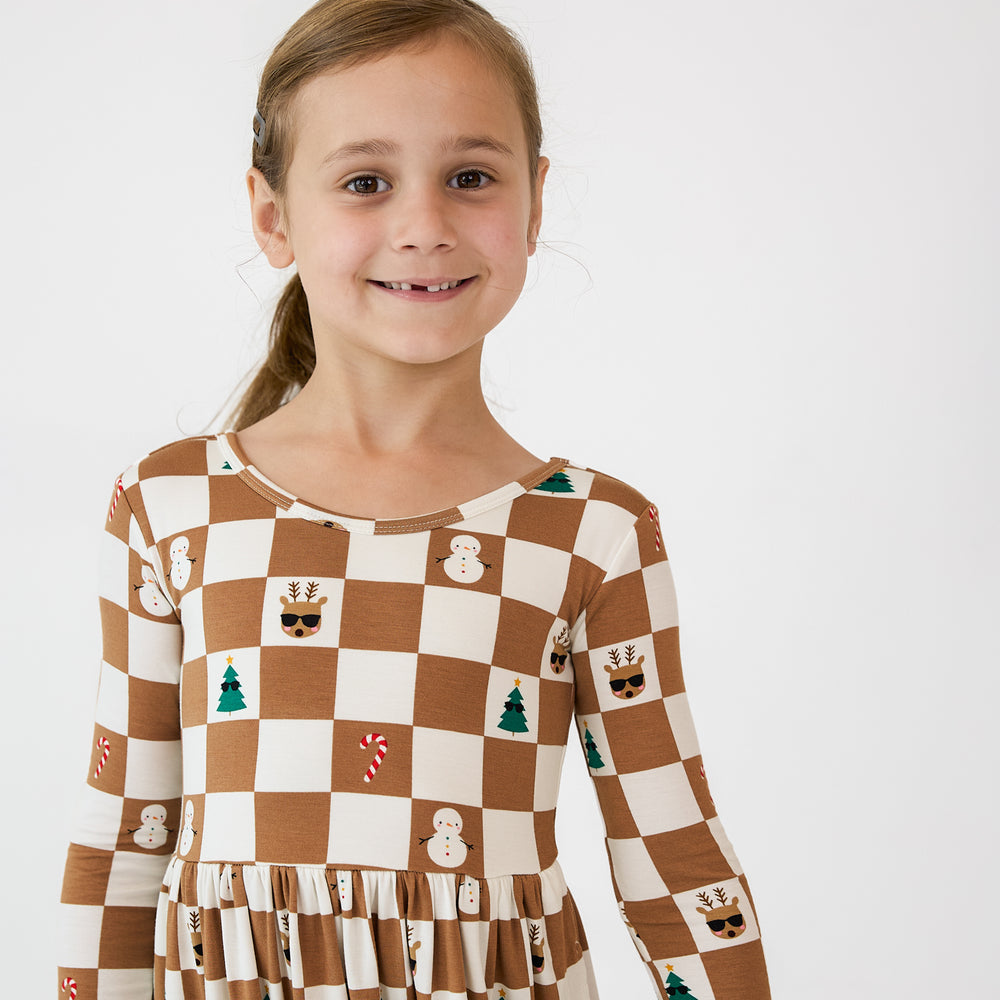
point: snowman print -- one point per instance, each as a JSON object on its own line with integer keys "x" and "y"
{"x": 468, "y": 895}
{"x": 188, "y": 831}
{"x": 464, "y": 564}
{"x": 150, "y": 595}
{"x": 152, "y": 833}
{"x": 445, "y": 847}
{"x": 180, "y": 562}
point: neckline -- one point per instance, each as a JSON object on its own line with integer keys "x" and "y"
{"x": 293, "y": 506}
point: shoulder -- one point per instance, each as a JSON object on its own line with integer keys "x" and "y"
{"x": 605, "y": 494}
{"x": 170, "y": 481}
{"x": 189, "y": 457}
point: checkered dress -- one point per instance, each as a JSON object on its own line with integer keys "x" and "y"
{"x": 327, "y": 749}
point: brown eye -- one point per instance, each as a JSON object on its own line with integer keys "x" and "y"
{"x": 367, "y": 185}
{"x": 470, "y": 179}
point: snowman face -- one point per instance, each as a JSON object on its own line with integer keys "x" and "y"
{"x": 178, "y": 548}
{"x": 465, "y": 545}
{"x": 447, "y": 821}
{"x": 153, "y": 814}
{"x": 188, "y": 812}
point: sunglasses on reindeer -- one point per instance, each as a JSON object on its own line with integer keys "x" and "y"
{"x": 734, "y": 921}
{"x": 636, "y": 681}
{"x": 310, "y": 621}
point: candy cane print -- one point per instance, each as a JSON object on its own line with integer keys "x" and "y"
{"x": 119, "y": 490}
{"x": 380, "y": 754}
{"x": 655, "y": 518}
{"x": 102, "y": 744}
{"x": 69, "y": 984}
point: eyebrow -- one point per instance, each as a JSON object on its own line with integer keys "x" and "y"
{"x": 385, "y": 147}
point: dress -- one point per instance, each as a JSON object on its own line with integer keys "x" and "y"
{"x": 373, "y": 717}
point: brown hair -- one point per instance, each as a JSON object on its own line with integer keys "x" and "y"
{"x": 338, "y": 34}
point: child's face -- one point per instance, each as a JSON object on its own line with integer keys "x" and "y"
{"x": 410, "y": 169}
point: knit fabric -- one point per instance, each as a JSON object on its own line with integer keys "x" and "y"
{"x": 327, "y": 749}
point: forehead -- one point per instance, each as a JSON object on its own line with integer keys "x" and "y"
{"x": 412, "y": 97}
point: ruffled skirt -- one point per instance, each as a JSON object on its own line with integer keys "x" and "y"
{"x": 246, "y": 932}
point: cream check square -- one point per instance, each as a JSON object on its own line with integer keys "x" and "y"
{"x": 682, "y": 725}
{"x": 112, "y": 699}
{"x": 660, "y": 799}
{"x": 394, "y": 558}
{"x": 194, "y": 627}
{"x": 237, "y": 550}
{"x": 661, "y": 597}
{"x": 376, "y": 685}
{"x": 180, "y": 503}
{"x": 602, "y": 529}
{"x": 355, "y": 822}
{"x": 154, "y": 649}
{"x": 113, "y": 570}
{"x": 294, "y": 755}
{"x": 154, "y": 770}
{"x": 535, "y": 574}
{"x": 194, "y": 757}
{"x": 80, "y": 933}
{"x": 459, "y": 623}
{"x": 228, "y": 832}
{"x": 97, "y": 812}
{"x": 447, "y": 766}
{"x": 548, "y": 767}
{"x": 635, "y": 872}
{"x": 131, "y": 878}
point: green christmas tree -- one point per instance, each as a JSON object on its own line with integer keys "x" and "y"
{"x": 231, "y": 699}
{"x": 513, "y": 715}
{"x": 593, "y": 757}
{"x": 558, "y": 482}
{"x": 675, "y": 985}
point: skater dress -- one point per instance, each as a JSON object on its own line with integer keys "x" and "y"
{"x": 327, "y": 748}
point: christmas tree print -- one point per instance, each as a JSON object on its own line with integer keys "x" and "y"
{"x": 593, "y": 757}
{"x": 558, "y": 482}
{"x": 231, "y": 699}
{"x": 675, "y": 985}
{"x": 513, "y": 712}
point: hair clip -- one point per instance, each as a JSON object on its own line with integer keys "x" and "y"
{"x": 260, "y": 128}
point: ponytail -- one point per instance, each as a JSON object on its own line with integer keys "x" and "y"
{"x": 291, "y": 358}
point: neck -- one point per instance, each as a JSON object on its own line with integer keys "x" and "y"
{"x": 391, "y": 408}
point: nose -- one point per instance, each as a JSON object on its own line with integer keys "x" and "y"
{"x": 424, "y": 221}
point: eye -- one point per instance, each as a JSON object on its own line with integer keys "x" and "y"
{"x": 470, "y": 179}
{"x": 367, "y": 184}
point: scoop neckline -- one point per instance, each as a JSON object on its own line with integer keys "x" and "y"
{"x": 292, "y": 506}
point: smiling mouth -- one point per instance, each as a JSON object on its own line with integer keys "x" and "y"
{"x": 405, "y": 286}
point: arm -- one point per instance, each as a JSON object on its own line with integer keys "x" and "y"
{"x": 128, "y": 815}
{"x": 680, "y": 888}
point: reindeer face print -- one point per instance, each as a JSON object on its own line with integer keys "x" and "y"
{"x": 725, "y": 920}
{"x": 557, "y": 658}
{"x": 627, "y": 679}
{"x": 302, "y": 619}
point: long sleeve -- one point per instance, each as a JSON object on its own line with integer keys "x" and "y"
{"x": 127, "y": 818}
{"x": 680, "y": 887}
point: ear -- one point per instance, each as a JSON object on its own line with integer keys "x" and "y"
{"x": 535, "y": 219}
{"x": 268, "y": 227}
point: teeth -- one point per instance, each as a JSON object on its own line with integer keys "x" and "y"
{"x": 402, "y": 286}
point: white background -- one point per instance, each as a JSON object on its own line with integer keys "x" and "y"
{"x": 768, "y": 300}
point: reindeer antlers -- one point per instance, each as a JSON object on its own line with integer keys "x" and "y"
{"x": 629, "y": 653}
{"x": 293, "y": 590}
{"x": 615, "y": 658}
{"x": 194, "y": 921}
{"x": 720, "y": 895}
{"x": 311, "y": 589}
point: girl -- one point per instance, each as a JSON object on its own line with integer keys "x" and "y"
{"x": 373, "y": 701}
